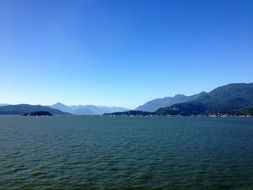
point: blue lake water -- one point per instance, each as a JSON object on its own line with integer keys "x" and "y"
{"x": 81, "y": 152}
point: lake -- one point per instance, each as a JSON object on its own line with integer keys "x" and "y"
{"x": 93, "y": 152}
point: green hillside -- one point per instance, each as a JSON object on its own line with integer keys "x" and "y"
{"x": 230, "y": 98}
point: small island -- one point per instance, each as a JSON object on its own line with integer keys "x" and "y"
{"x": 38, "y": 113}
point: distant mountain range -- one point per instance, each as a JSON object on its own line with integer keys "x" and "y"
{"x": 22, "y": 109}
{"x": 3, "y": 105}
{"x": 58, "y": 109}
{"x": 87, "y": 109}
{"x": 231, "y": 99}
{"x": 155, "y": 104}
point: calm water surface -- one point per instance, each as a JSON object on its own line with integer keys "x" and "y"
{"x": 126, "y": 153}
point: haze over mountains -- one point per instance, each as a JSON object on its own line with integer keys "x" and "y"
{"x": 57, "y": 109}
{"x": 22, "y": 109}
{"x": 231, "y": 99}
{"x": 155, "y": 104}
{"x": 4, "y": 105}
{"x": 87, "y": 109}
{"x": 234, "y": 99}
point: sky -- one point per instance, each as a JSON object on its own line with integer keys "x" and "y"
{"x": 121, "y": 53}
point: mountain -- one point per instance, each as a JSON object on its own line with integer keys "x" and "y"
{"x": 21, "y": 109}
{"x": 87, "y": 109}
{"x": 104, "y": 109}
{"x": 155, "y": 104}
{"x": 131, "y": 112}
{"x": 3, "y": 105}
{"x": 84, "y": 111}
{"x": 62, "y": 107}
{"x": 231, "y": 98}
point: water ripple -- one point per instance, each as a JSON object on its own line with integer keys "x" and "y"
{"x": 126, "y": 153}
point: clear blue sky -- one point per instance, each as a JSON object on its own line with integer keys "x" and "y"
{"x": 121, "y": 52}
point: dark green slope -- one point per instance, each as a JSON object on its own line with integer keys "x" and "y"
{"x": 247, "y": 111}
{"x": 26, "y": 108}
{"x": 192, "y": 108}
{"x": 131, "y": 112}
{"x": 230, "y": 98}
